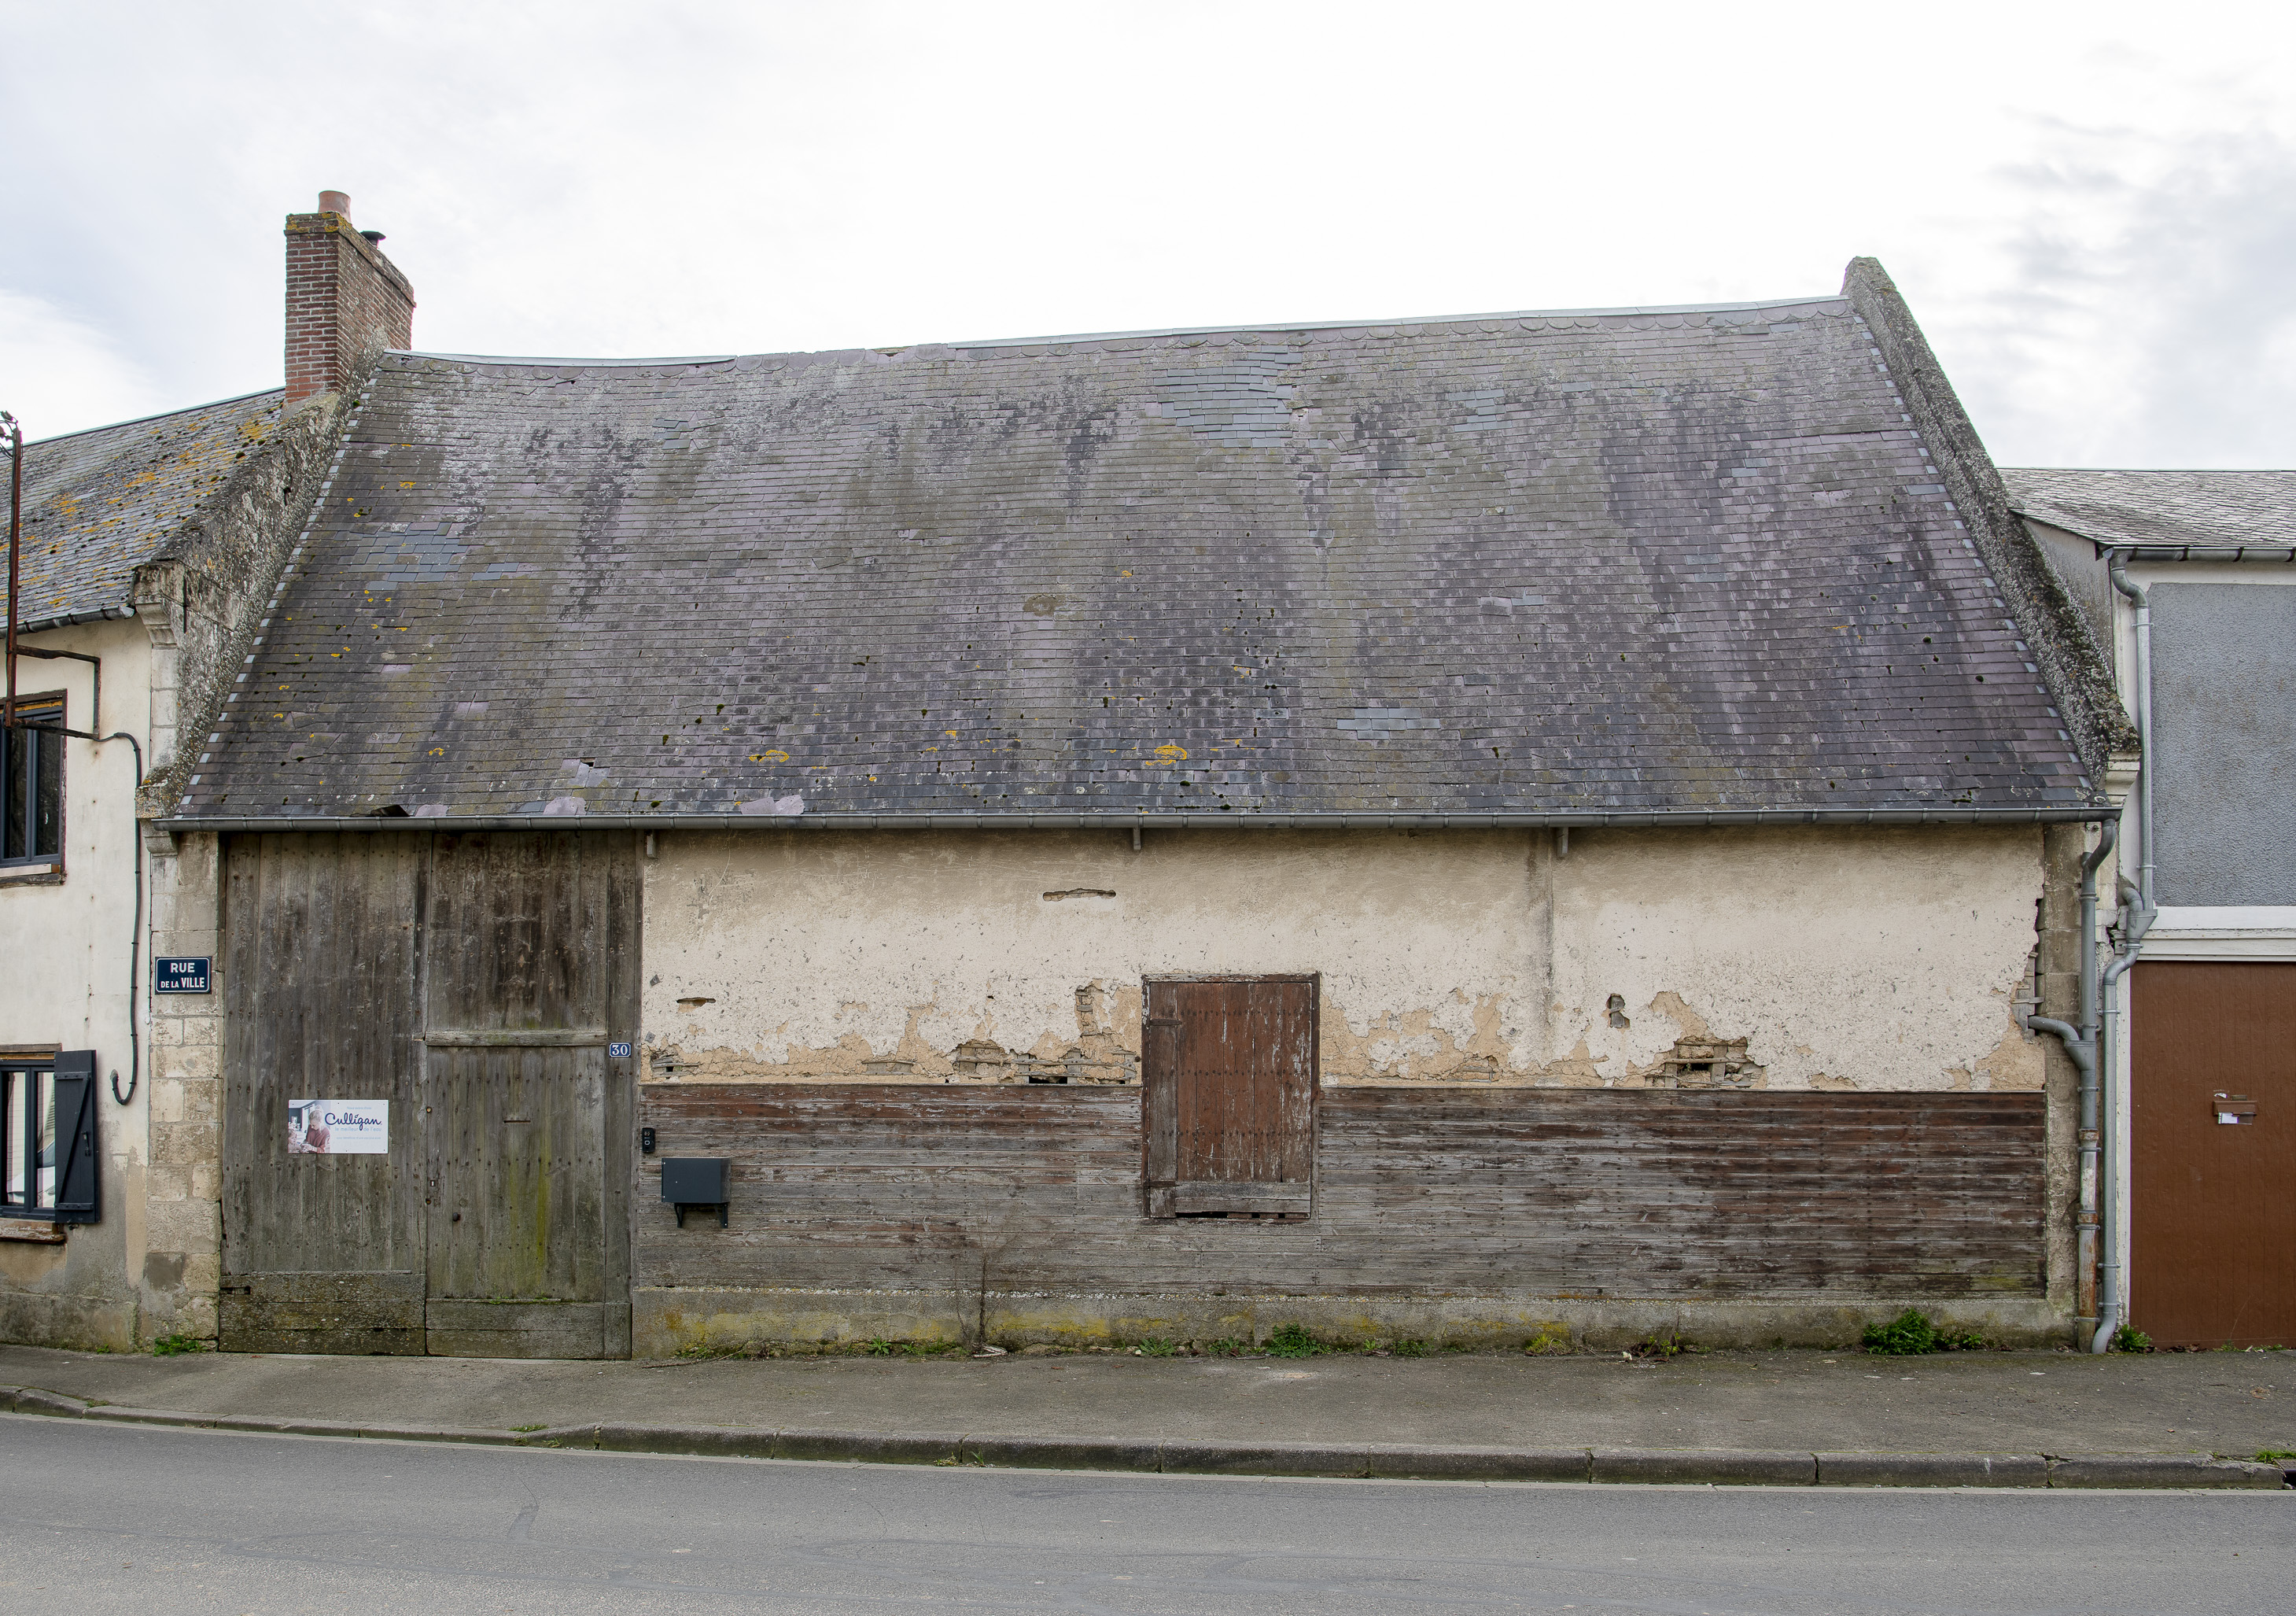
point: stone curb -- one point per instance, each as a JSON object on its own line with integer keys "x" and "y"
{"x": 1387, "y": 1461}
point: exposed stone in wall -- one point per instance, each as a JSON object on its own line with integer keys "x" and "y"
{"x": 202, "y": 596}
{"x": 182, "y": 1222}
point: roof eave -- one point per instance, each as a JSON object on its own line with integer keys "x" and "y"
{"x": 1154, "y": 820}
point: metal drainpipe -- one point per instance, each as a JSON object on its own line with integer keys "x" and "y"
{"x": 2137, "y": 910}
{"x": 2081, "y": 1044}
{"x": 15, "y": 546}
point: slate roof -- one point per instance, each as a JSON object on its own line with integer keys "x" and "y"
{"x": 2210, "y": 508}
{"x": 100, "y": 503}
{"x": 1645, "y": 561}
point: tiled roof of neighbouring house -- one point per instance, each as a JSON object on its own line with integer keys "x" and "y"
{"x": 1621, "y": 561}
{"x": 100, "y": 503}
{"x": 2210, "y": 508}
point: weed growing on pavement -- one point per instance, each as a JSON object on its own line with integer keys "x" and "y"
{"x": 878, "y": 1347}
{"x": 1409, "y": 1347}
{"x": 1157, "y": 1346}
{"x": 1911, "y": 1332}
{"x": 2273, "y": 1455}
{"x": 522, "y": 1430}
{"x": 2129, "y": 1338}
{"x": 1228, "y": 1346}
{"x": 170, "y": 1346}
{"x": 1662, "y": 1343}
{"x": 1292, "y": 1341}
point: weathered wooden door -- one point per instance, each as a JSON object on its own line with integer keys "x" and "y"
{"x": 2212, "y": 1217}
{"x": 321, "y": 1252}
{"x": 1228, "y": 1096}
{"x": 470, "y": 987}
{"x": 529, "y": 971}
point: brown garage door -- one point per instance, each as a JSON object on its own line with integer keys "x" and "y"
{"x": 2212, "y": 1204}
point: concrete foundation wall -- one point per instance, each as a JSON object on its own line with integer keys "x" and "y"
{"x": 669, "y": 1321}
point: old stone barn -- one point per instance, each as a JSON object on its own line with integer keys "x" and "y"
{"x": 1473, "y": 829}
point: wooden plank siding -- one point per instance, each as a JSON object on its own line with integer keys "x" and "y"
{"x": 321, "y": 938}
{"x": 1560, "y": 1191}
{"x": 477, "y": 982}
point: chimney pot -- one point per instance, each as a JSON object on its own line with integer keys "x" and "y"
{"x": 335, "y": 202}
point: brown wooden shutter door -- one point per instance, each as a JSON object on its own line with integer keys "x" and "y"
{"x": 2212, "y": 1221}
{"x": 1228, "y": 1068}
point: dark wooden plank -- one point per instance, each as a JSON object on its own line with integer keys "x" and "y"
{"x": 348, "y": 1313}
{"x": 1595, "y": 1191}
{"x": 319, "y": 1004}
{"x": 1222, "y": 1196}
{"x": 530, "y": 969}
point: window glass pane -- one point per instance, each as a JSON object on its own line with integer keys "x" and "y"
{"x": 13, "y": 839}
{"x": 44, "y": 1118}
{"x": 15, "y": 1083}
{"x": 48, "y": 790}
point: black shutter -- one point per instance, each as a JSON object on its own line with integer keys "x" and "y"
{"x": 77, "y": 1159}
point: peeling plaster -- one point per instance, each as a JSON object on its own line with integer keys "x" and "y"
{"x": 1875, "y": 960}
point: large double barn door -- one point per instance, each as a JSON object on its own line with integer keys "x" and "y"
{"x": 466, "y": 990}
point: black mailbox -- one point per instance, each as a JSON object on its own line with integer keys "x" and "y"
{"x": 695, "y": 1181}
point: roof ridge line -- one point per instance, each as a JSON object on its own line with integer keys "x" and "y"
{"x": 113, "y": 426}
{"x": 1268, "y": 327}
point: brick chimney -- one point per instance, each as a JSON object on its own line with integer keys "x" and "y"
{"x": 345, "y": 302}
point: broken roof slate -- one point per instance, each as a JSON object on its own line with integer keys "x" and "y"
{"x": 1644, "y": 561}
{"x": 100, "y": 503}
{"x": 2118, "y": 507}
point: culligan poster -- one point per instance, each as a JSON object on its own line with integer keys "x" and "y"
{"x": 338, "y": 1128}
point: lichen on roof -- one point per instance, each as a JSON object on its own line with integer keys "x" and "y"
{"x": 101, "y": 503}
{"x": 1644, "y": 561}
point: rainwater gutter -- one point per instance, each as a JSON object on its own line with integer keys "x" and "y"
{"x": 2137, "y": 911}
{"x": 2080, "y": 1043}
{"x": 1004, "y": 819}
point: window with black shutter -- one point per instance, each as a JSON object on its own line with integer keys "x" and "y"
{"x": 1228, "y": 1069}
{"x": 47, "y": 1132}
{"x": 32, "y": 785}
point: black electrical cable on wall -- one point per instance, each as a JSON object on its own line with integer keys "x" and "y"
{"x": 136, "y": 932}
{"x": 136, "y": 935}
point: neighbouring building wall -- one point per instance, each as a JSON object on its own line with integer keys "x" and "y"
{"x": 67, "y": 942}
{"x": 150, "y": 1266}
{"x": 1760, "y": 1084}
{"x": 2224, "y": 691}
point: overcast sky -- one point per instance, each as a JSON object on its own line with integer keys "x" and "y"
{"x": 2092, "y": 208}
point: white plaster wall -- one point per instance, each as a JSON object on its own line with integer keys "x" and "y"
{"x": 821, "y": 952}
{"x": 1881, "y": 959}
{"x": 68, "y": 952}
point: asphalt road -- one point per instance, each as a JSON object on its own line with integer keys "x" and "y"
{"x": 106, "y": 1518}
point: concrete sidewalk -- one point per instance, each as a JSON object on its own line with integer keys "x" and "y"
{"x": 1716, "y": 1417}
